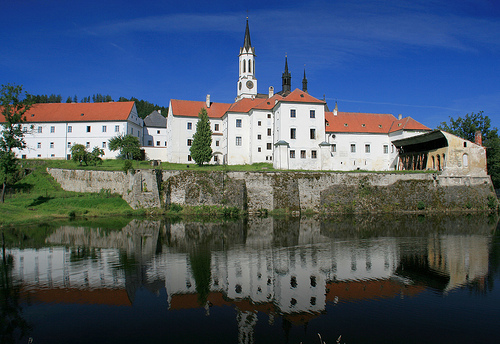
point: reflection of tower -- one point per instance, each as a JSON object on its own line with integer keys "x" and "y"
{"x": 246, "y": 326}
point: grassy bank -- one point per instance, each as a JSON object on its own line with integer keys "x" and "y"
{"x": 37, "y": 197}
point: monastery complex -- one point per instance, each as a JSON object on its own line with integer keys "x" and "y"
{"x": 289, "y": 128}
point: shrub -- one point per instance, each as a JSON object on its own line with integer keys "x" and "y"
{"x": 420, "y": 205}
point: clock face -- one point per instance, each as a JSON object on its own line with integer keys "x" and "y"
{"x": 249, "y": 84}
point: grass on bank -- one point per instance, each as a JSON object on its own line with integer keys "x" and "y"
{"x": 118, "y": 165}
{"x": 38, "y": 197}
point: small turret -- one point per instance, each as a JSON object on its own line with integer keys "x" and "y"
{"x": 286, "y": 78}
{"x": 304, "y": 82}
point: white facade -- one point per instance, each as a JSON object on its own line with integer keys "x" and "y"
{"x": 51, "y": 130}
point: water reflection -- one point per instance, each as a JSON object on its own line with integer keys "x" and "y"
{"x": 293, "y": 269}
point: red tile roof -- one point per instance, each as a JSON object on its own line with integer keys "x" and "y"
{"x": 302, "y": 97}
{"x": 354, "y": 122}
{"x": 190, "y": 108}
{"x": 407, "y": 123}
{"x": 78, "y": 112}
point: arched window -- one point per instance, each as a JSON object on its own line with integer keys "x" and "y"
{"x": 444, "y": 161}
{"x": 439, "y": 163}
{"x": 433, "y": 163}
{"x": 244, "y": 66}
{"x": 465, "y": 160}
{"x": 249, "y": 66}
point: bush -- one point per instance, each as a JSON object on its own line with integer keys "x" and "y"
{"x": 420, "y": 205}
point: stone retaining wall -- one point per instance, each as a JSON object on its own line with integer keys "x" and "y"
{"x": 291, "y": 191}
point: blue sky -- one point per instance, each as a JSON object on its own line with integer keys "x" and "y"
{"x": 424, "y": 59}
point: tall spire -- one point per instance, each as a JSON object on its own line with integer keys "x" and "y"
{"x": 247, "y": 44}
{"x": 286, "y": 78}
{"x": 304, "y": 81}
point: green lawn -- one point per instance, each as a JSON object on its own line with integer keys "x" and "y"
{"x": 37, "y": 197}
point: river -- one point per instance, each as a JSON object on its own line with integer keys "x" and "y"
{"x": 353, "y": 279}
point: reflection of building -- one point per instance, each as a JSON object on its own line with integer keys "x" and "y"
{"x": 256, "y": 271}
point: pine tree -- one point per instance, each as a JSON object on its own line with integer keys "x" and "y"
{"x": 201, "y": 149}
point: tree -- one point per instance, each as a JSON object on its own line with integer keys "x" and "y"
{"x": 201, "y": 149}
{"x": 466, "y": 128}
{"x": 14, "y": 103}
{"x": 128, "y": 145}
{"x": 79, "y": 154}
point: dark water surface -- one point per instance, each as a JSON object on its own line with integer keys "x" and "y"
{"x": 408, "y": 279}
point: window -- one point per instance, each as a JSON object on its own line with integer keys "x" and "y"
{"x": 158, "y": 132}
{"x": 238, "y": 140}
{"x": 25, "y": 129}
{"x": 215, "y": 158}
{"x": 269, "y": 146}
{"x": 52, "y": 129}
{"x": 465, "y": 160}
{"x": 367, "y": 148}
{"x": 259, "y": 123}
{"x": 312, "y": 114}
{"x": 292, "y": 154}
{"x": 392, "y": 148}
{"x": 157, "y": 143}
{"x": 70, "y": 129}
{"x": 334, "y": 147}
{"x": 312, "y": 134}
{"x": 88, "y": 128}
{"x": 24, "y": 156}
{"x": 117, "y": 128}
{"x": 39, "y": 145}
{"x": 69, "y": 144}
{"x": 189, "y": 125}
{"x": 88, "y": 145}
{"x": 353, "y": 148}
{"x": 190, "y": 142}
{"x": 238, "y": 123}
{"x": 189, "y": 158}
{"x": 293, "y": 133}
{"x": 52, "y": 155}
{"x": 104, "y": 144}
{"x": 302, "y": 154}
{"x": 268, "y": 115}
{"x": 216, "y": 143}
{"x": 313, "y": 154}
{"x": 259, "y": 149}
{"x": 386, "y": 149}
{"x": 52, "y": 145}
{"x": 39, "y": 129}
{"x": 131, "y": 131}
{"x": 293, "y": 113}
{"x": 268, "y": 131}
{"x": 216, "y": 127}
{"x": 259, "y": 136}
{"x": 104, "y": 128}
{"x": 150, "y": 143}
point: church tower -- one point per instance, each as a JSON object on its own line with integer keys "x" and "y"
{"x": 304, "y": 82}
{"x": 247, "y": 83}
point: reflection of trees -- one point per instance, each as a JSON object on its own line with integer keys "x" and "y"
{"x": 200, "y": 265}
{"x": 11, "y": 320}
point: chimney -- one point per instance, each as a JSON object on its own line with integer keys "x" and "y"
{"x": 208, "y": 101}
{"x": 400, "y": 117}
{"x": 336, "y": 109}
{"x": 271, "y": 91}
{"x": 478, "y": 138}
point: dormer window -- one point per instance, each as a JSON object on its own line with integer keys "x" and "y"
{"x": 345, "y": 124}
{"x": 363, "y": 125}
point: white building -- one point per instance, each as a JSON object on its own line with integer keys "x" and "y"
{"x": 155, "y": 136}
{"x": 51, "y": 129}
{"x": 291, "y": 129}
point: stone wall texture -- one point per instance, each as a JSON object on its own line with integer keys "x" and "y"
{"x": 326, "y": 192}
